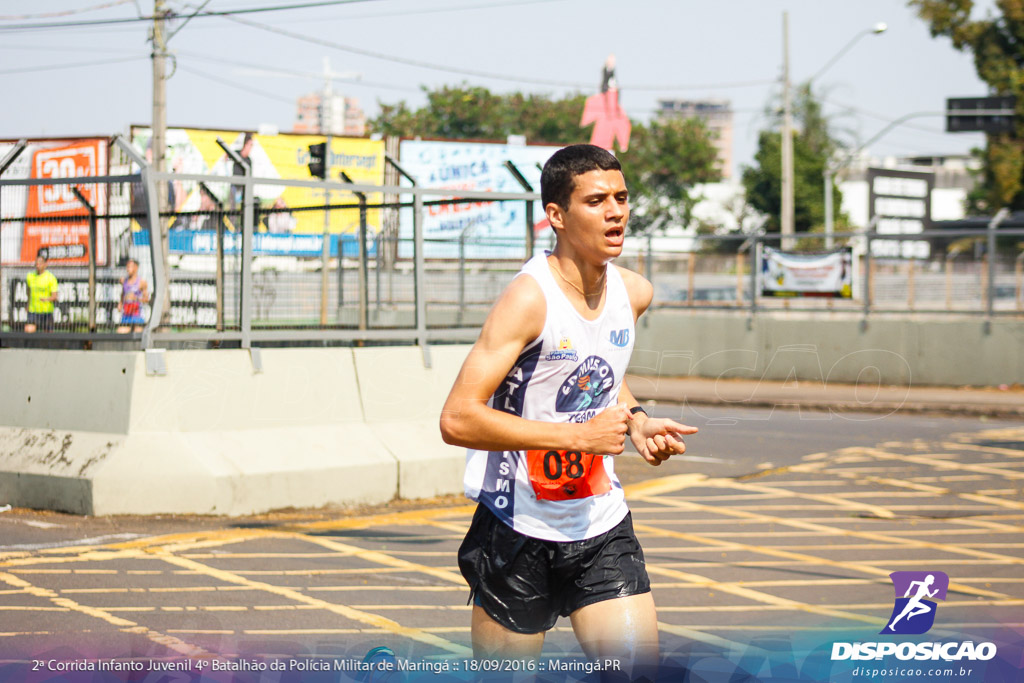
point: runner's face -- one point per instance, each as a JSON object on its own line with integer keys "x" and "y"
{"x": 595, "y": 223}
{"x": 40, "y": 265}
{"x": 132, "y": 268}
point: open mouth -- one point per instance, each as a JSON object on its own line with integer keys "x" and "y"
{"x": 615, "y": 235}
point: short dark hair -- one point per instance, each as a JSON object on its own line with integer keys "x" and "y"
{"x": 558, "y": 179}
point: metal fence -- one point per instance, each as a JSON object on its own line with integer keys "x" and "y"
{"x": 716, "y": 274}
{"x": 240, "y": 274}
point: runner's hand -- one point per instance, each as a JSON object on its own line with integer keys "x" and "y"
{"x": 658, "y": 439}
{"x": 606, "y": 433}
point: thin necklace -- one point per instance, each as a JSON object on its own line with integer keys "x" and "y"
{"x": 577, "y": 287}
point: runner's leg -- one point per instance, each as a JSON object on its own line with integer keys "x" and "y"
{"x": 491, "y": 639}
{"x": 622, "y": 628}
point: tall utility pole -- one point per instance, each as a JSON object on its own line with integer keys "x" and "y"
{"x": 158, "y": 144}
{"x": 786, "y": 219}
{"x": 159, "y": 56}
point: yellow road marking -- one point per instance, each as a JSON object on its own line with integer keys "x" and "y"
{"x": 812, "y": 559}
{"x": 700, "y": 636}
{"x": 859, "y": 534}
{"x": 995, "y": 450}
{"x": 837, "y": 501}
{"x": 761, "y": 597}
{"x": 977, "y": 497}
{"x": 864, "y": 605}
{"x": 384, "y": 559}
{"x": 932, "y": 460}
{"x": 126, "y": 626}
{"x": 440, "y": 608}
{"x": 416, "y": 589}
{"x": 378, "y": 621}
{"x": 311, "y": 631}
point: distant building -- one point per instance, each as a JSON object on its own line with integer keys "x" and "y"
{"x": 327, "y": 112}
{"x": 953, "y": 180}
{"x": 717, "y": 116}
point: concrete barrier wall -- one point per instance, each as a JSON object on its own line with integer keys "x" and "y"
{"x": 214, "y": 436}
{"x": 940, "y": 352}
{"x": 93, "y": 433}
{"x": 67, "y": 389}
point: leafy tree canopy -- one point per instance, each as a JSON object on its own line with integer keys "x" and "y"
{"x": 664, "y": 161}
{"x": 814, "y": 145}
{"x": 997, "y": 43}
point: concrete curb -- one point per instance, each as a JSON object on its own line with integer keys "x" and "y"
{"x": 833, "y": 397}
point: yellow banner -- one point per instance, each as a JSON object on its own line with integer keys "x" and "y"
{"x": 191, "y": 150}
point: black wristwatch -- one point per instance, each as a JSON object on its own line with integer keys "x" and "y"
{"x": 638, "y": 409}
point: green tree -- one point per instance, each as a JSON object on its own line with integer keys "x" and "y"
{"x": 475, "y": 113}
{"x": 814, "y": 145}
{"x": 664, "y": 162}
{"x": 997, "y": 43}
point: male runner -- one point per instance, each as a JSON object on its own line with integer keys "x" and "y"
{"x": 541, "y": 404}
{"x": 42, "y": 293}
{"x": 134, "y": 293}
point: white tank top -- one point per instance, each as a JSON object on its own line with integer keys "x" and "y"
{"x": 570, "y": 373}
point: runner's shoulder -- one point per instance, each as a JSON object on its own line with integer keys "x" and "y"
{"x": 520, "y": 311}
{"x": 639, "y": 288}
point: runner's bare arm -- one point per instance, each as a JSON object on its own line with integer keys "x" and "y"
{"x": 466, "y": 419}
{"x": 656, "y": 439}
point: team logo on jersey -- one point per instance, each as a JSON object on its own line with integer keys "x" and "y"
{"x": 913, "y": 613}
{"x": 565, "y": 351}
{"x": 587, "y": 388}
{"x": 619, "y": 337}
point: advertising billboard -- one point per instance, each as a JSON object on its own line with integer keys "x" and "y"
{"x": 51, "y": 217}
{"x": 281, "y": 156}
{"x": 790, "y": 274}
{"x": 492, "y": 229}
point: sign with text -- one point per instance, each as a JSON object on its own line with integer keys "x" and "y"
{"x": 193, "y": 302}
{"x": 902, "y": 203}
{"x": 52, "y": 219}
{"x": 819, "y": 275}
{"x": 492, "y": 229}
{"x": 194, "y": 150}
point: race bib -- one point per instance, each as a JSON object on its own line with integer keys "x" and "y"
{"x": 567, "y": 475}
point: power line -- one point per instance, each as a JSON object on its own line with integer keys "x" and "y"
{"x": 289, "y": 72}
{"x": 237, "y": 86}
{"x": 132, "y": 20}
{"x": 67, "y": 48}
{"x": 66, "y": 13}
{"x": 402, "y": 60}
{"x": 70, "y": 65}
{"x": 883, "y": 117}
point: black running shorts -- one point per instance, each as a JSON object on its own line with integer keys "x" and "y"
{"x": 526, "y": 583}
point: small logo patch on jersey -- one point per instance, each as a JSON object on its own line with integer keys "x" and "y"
{"x": 565, "y": 351}
{"x": 619, "y": 337}
{"x": 587, "y": 388}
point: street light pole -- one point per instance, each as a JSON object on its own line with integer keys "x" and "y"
{"x": 830, "y": 168}
{"x": 786, "y": 219}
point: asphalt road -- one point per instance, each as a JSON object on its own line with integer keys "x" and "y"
{"x": 775, "y": 534}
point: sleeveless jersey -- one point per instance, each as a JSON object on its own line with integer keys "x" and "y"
{"x": 570, "y": 373}
{"x": 131, "y": 296}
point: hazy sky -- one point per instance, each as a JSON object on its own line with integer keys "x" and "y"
{"x": 242, "y": 71}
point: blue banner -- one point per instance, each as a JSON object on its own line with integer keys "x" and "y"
{"x": 263, "y": 244}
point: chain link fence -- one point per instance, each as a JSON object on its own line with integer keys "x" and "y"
{"x": 234, "y": 271}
